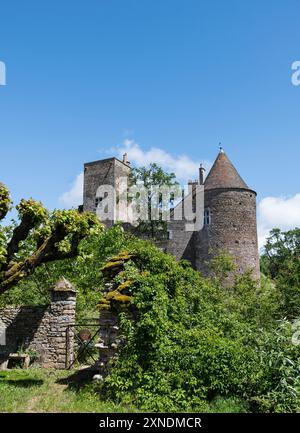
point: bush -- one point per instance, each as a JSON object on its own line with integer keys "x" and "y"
{"x": 196, "y": 345}
{"x": 193, "y": 340}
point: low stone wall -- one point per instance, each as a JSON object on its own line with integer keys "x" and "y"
{"x": 42, "y": 329}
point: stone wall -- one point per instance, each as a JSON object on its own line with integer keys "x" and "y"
{"x": 103, "y": 172}
{"x": 42, "y": 329}
{"x": 180, "y": 242}
{"x": 110, "y": 338}
{"x": 232, "y": 229}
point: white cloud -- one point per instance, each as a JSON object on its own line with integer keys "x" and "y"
{"x": 184, "y": 167}
{"x": 280, "y": 212}
{"x": 73, "y": 197}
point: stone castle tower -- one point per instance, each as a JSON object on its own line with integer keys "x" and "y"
{"x": 105, "y": 172}
{"x": 229, "y": 222}
{"x": 229, "y": 218}
{"x": 229, "y": 214}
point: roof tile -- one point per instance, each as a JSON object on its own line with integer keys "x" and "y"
{"x": 223, "y": 174}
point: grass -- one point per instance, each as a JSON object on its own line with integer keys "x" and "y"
{"x": 41, "y": 390}
{"x": 228, "y": 405}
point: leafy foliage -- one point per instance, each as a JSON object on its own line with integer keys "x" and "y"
{"x": 281, "y": 262}
{"x": 82, "y": 271}
{"x": 39, "y": 237}
{"x": 5, "y": 201}
{"x": 151, "y": 177}
{"x": 195, "y": 342}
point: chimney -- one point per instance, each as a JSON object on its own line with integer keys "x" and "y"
{"x": 201, "y": 174}
{"x": 125, "y": 159}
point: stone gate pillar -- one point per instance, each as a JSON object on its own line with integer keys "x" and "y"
{"x": 61, "y": 334}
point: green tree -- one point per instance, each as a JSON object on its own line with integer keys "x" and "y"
{"x": 39, "y": 237}
{"x": 151, "y": 177}
{"x": 82, "y": 271}
{"x": 281, "y": 261}
{"x": 194, "y": 340}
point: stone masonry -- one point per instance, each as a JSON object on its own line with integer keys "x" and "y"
{"x": 229, "y": 214}
{"x": 105, "y": 172}
{"x": 42, "y": 329}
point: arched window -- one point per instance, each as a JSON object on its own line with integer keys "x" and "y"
{"x": 207, "y": 216}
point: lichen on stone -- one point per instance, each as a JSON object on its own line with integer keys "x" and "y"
{"x": 119, "y": 287}
{"x": 121, "y": 298}
{"x": 116, "y": 263}
{"x": 125, "y": 285}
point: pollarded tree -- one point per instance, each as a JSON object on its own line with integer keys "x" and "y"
{"x": 39, "y": 237}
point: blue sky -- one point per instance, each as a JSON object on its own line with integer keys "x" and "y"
{"x": 166, "y": 78}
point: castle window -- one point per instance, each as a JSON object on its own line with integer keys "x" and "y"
{"x": 207, "y": 217}
{"x": 170, "y": 234}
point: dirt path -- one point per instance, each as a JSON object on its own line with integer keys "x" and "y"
{"x": 51, "y": 391}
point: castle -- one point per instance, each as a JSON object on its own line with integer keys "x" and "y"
{"x": 229, "y": 213}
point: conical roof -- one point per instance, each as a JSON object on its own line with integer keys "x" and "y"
{"x": 223, "y": 174}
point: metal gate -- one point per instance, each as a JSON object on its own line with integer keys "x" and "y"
{"x": 81, "y": 339}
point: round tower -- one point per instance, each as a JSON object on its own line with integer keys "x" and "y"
{"x": 229, "y": 219}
